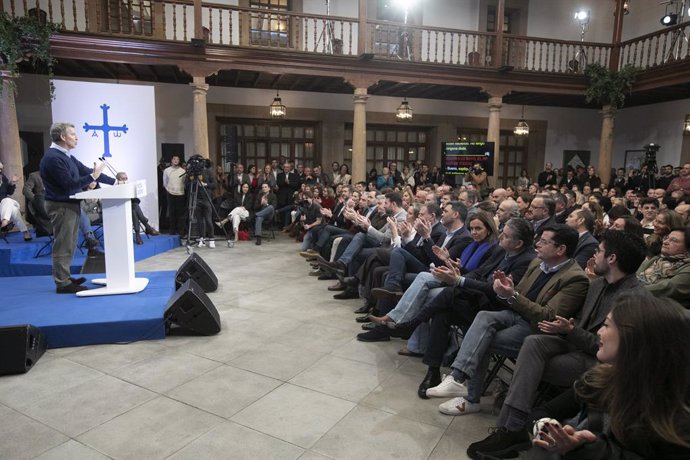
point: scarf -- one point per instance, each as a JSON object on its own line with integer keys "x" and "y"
{"x": 663, "y": 267}
{"x": 473, "y": 254}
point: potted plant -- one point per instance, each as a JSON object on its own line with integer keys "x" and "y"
{"x": 26, "y": 38}
{"x": 608, "y": 87}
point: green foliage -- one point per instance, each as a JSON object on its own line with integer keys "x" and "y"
{"x": 607, "y": 87}
{"x": 26, "y": 38}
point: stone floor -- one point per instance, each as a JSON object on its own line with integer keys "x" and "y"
{"x": 285, "y": 378}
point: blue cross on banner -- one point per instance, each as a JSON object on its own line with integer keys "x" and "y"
{"x": 117, "y": 130}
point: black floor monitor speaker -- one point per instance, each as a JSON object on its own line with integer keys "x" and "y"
{"x": 196, "y": 269}
{"x": 21, "y": 347}
{"x": 191, "y": 309}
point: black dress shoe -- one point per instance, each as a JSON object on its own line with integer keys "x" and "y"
{"x": 378, "y": 334}
{"x": 363, "y": 310}
{"x": 78, "y": 281}
{"x": 71, "y": 289}
{"x": 431, "y": 379}
{"x": 347, "y": 294}
{"x": 337, "y": 287}
{"x": 351, "y": 281}
{"x": 402, "y": 330}
{"x": 369, "y": 326}
{"x": 326, "y": 276}
{"x": 363, "y": 319}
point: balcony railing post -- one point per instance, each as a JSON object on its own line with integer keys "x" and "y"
{"x": 158, "y": 19}
{"x": 362, "y": 29}
{"x": 497, "y": 60}
{"x": 614, "y": 60}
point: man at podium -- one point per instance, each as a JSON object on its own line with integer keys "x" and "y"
{"x": 63, "y": 175}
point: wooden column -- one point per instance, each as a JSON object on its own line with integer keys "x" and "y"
{"x": 606, "y": 143}
{"x": 198, "y": 27}
{"x": 362, "y": 28}
{"x": 618, "y": 14}
{"x": 200, "y": 117}
{"x": 493, "y": 133}
{"x": 10, "y": 147}
{"x": 359, "y": 136}
{"x": 500, "y": 19}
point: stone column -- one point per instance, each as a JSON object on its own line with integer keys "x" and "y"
{"x": 200, "y": 117}
{"x": 606, "y": 144}
{"x": 10, "y": 147}
{"x": 359, "y": 136}
{"x": 493, "y": 133}
{"x": 362, "y": 28}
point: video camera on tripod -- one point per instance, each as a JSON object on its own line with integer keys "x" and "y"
{"x": 196, "y": 165}
{"x": 650, "y": 151}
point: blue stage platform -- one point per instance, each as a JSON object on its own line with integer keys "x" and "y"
{"x": 17, "y": 257}
{"x": 70, "y": 321}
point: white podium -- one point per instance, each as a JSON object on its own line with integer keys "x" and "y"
{"x": 119, "y": 244}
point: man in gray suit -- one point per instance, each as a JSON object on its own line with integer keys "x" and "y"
{"x": 567, "y": 347}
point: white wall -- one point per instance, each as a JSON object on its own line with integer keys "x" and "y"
{"x": 555, "y": 19}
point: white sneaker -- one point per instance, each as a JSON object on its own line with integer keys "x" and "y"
{"x": 201, "y": 243}
{"x": 458, "y": 406}
{"x": 211, "y": 244}
{"x": 448, "y": 388}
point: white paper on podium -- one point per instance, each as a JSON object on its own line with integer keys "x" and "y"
{"x": 119, "y": 245}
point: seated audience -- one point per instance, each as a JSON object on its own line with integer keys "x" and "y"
{"x": 9, "y": 208}
{"x": 138, "y": 217}
{"x": 668, "y": 274}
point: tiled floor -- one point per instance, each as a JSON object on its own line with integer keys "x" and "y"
{"x": 285, "y": 378}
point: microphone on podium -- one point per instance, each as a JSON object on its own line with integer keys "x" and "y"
{"x": 110, "y": 168}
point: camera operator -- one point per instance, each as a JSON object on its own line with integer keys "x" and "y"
{"x": 199, "y": 171}
{"x": 478, "y": 177}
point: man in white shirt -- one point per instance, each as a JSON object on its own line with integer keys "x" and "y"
{"x": 174, "y": 185}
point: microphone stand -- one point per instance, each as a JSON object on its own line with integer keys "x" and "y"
{"x": 110, "y": 168}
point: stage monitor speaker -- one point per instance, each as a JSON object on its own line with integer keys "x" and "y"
{"x": 21, "y": 347}
{"x": 191, "y": 309}
{"x": 195, "y": 268}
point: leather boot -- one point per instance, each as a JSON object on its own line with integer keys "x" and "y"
{"x": 431, "y": 379}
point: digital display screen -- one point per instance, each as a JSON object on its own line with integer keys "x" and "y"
{"x": 458, "y": 158}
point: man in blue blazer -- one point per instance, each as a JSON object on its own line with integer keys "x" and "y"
{"x": 63, "y": 175}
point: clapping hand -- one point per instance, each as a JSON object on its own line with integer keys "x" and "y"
{"x": 589, "y": 269}
{"x": 404, "y": 228}
{"x": 560, "y": 325}
{"x": 392, "y": 224}
{"x": 563, "y": 439}
{"x": 449, "y": 274}
{"x": 15, "y": 178}
{"x": 441, "y": 253}
{"x": 423, "y": 228}
{"x": 503, "y": 284}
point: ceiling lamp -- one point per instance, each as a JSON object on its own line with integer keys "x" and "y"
{"x": 669, "y": 19}
{"x": 522, "y": 128}
{"x": 686, "y": 125}
{"x": 404, "y": 112}
{"x": 277, "y": 109}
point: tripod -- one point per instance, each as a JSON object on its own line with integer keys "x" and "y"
{"x": 326, "y": 33}
{"x": 191, "y": 214}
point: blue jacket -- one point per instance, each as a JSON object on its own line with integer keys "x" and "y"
{"x": 65, "y": 175}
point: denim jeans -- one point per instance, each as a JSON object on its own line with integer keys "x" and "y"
{"x": 492, "y": 331}
{"x": 359, "y": 242}
{"x": 424, "y": 287}
{"x": 401, "y": 263}
{"x": 265, "y": 213}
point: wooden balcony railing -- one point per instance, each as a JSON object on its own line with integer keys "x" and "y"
{"x": 662, "y": 47}
{"x": 552, "y": 56}
{"x": 224, "y": 25}
{"x": 388, "y": 40}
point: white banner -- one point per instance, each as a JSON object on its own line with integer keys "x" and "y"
{"x": 117, "y": 122}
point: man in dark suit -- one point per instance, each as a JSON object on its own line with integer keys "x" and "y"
{"x": 239, "y": 178}
{"x": 567, "y": 347}
{"x": 543, "y": 209}
{"x": 583, "y": 221}
{"x": 288, "y": 183}
{"x": 554, "y": 285}
{"x": 547, "y": 176}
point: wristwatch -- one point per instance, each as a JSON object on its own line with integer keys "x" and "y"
{"x": 511, "y": 300}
